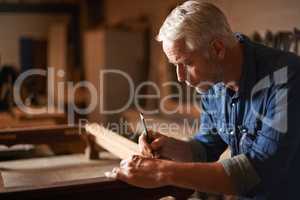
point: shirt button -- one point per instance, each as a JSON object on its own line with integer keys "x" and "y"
{"x": 233, "y": 104}
{"x": 231, "y": 132}
{"x": 244, "y": 130}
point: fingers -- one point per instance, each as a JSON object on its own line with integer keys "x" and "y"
{"x": 158, "y": 143}
{"x": 154, "y": 135}
{"x": 121, "y": 176}
{"x": 152, "y": 150}
{"x": 112, "y": 174}
{"x": 144, "y": 147}
{"x": 133, "y": 163}
{"x": 126, "y": 169}
{"x": 117, "y": 173}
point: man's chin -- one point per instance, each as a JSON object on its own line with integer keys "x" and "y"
{"x": 201, "y": 90}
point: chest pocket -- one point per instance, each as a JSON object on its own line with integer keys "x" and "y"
{"x": 248, "y": 133}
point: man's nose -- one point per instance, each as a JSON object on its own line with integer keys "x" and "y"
{"x": 181, "y": 73}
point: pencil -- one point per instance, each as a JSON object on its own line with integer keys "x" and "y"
{"x": 144, "y": 125}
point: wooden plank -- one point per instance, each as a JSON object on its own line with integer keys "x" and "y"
{"x": 40, "y": 135}
{"x": 49, "y": 171}
{"x": 39, "y": 8}
{"x": 47, "y": 129}
{"x": 112, "y": 142}
{"x": 58, "y": 60}
{"x": 33, "y": 114}
{"x": 1, "y": 181}
{"x": 73, "y": 177}
{"x": 94, "y": 61}
{"x": 55, "y": 162}
{"x": 108, "y": 49}
{"x": 101, "y": 188}
{"x": 59, "y": 136}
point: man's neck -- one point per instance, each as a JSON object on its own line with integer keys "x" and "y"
{"x": 233, "y": 66}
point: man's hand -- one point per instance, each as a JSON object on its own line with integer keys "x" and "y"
{"x": 142, "y": 172}
{"x": 164, "y": 147}
{"x": 153, "y": 173}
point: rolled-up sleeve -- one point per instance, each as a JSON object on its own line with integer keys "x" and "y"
{"x": 270, "y": 159}
{"x": 276, "y": 146}
{"x": 241, "y": 172}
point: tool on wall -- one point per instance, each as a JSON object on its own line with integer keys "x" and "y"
{"x": 8, "y": 75}
{"x": 283, "y": 40}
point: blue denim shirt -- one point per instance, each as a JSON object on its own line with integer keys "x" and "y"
{"x": 259, "y": 122}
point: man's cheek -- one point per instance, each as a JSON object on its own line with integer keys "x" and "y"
{"x": 195, "y": 80}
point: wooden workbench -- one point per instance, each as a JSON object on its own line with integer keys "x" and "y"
{"x": 71, "y": 177}
{"x": 62, "y": 139}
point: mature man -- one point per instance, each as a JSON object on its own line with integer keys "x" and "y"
{"x": 251, "y": 106}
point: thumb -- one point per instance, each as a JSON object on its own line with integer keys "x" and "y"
{"x": 154, "y": 135}
{"x": 120, "y": 175}
{"x": 144, "y": 146}
{"x": 157, "y": 143}
{"x": 112, "y": 174}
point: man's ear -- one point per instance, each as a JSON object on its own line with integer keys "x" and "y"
{"x": 218, "y": 49}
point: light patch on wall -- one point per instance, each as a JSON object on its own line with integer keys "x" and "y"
{"x": 14, "y": 26}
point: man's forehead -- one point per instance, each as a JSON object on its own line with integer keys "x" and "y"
{"x": 175, "y": 50}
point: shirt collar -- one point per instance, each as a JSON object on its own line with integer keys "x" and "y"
{"x": 248, "y": 77}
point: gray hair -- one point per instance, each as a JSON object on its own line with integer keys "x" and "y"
{"x": 198, "y": 23}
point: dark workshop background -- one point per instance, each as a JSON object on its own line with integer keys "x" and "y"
{"x": 84, "y": 37}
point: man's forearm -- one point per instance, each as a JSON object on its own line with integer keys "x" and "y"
{"x": 204, "y": 177}
{"x": 178, "y": 150}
